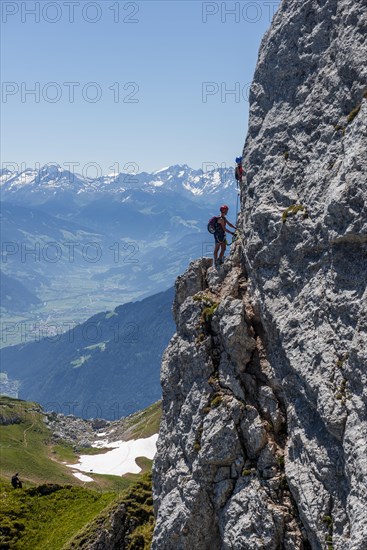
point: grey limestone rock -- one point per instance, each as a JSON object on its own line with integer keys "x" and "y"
{"x": 306, "y": 147}
{"x": 217, "y": 443}
{"x": 263, "y": 441}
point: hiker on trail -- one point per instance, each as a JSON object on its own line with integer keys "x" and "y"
{"x": 15, "y": 481}
{"x": 239, "y": 170}
{"x": 220, "y": 235}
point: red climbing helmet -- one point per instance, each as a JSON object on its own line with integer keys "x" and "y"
{"x": 224, "y": 208}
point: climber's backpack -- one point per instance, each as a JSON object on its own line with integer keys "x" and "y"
{"x": 213, "y": 224}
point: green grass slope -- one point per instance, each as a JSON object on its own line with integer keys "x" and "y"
{"x": 130, "y": 521}
{"x": 32, "y": 520}
{"x": 55, "y": 510}
{"x": 26, "y": 447}
{"x": 144, "y": 423}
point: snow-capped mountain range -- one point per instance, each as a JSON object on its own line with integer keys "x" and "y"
{"x": 38, "y": 185}
{"x": 144, "y": 229}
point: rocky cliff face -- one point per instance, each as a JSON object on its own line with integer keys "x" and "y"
{"x": 263, "y": 442}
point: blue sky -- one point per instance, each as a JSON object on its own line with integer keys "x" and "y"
{"x": 118, "y": 82}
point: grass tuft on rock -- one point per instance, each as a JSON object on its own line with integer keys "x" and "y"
{"x": 352, "y": 115}
{"x": 216, "y": 401}
{"x": 293, "y": 210}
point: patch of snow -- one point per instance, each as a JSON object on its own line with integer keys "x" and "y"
{"x": 102, "y": 444}
{"x": 121, "y": 460}
{"x": 82, "y": 477}
{"x": 5, "y": 177}
{"x": 23, "y": 179}
{"x": 192, "y": 189}
{"x": 161, "y": 170}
